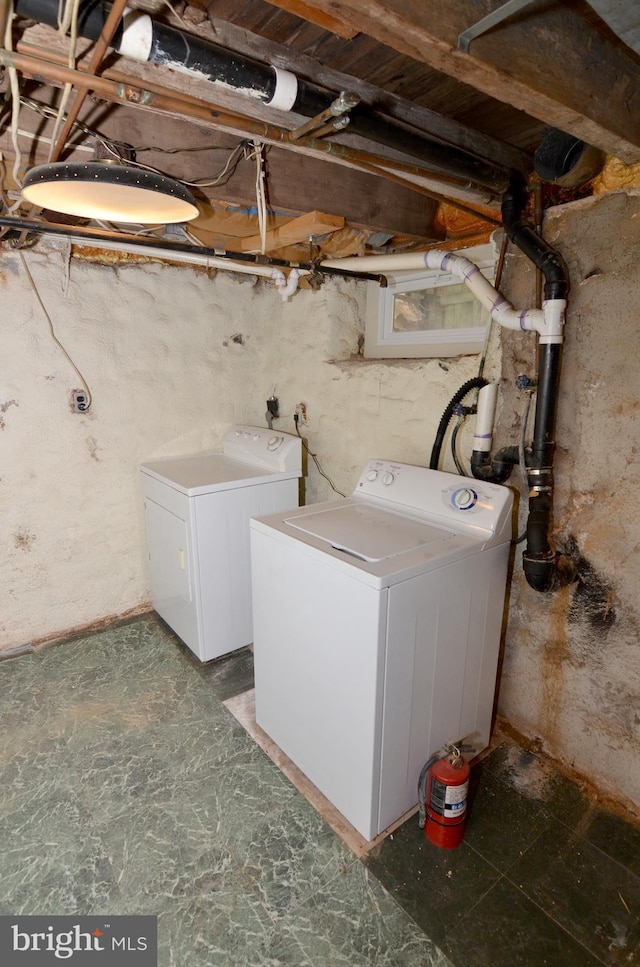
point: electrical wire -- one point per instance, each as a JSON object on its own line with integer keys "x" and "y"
{"x": 67, "y": 23}
{"x": 52, "y": 330}
{"x": 522, "y": 456}
{"x": 522, "y": 460}
{"x": 314, "y": 457}
{"x": 261, "y": 200}
{"x": 239, "y": 153}
{"x": 454, "y": 452}
{"x": 176, "y": 14}
{"x": 14, "y": 87}
{"x": 243, "y": 151}
{"x": 45, "y": 111}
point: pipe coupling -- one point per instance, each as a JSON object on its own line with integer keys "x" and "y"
{"x": 540, "y": 479}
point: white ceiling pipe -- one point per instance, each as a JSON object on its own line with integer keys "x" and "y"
{"x": 379, "y": 263}
{"x": 248, "y": 268}
{"x": 548, "y": 322}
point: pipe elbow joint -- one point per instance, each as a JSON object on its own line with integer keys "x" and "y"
{"x": 496, "y": 469}
{"x": 481, "y": 467}
{"x": 548, "y": 573}
{"x": 539, "y": 572}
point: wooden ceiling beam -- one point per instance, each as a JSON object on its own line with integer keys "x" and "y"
{"x": 422, "y": 118}
{"x": 336, "y": 25}
{"x": 43, "y": 42}
{"x": 296, "y": 184}
{"x": 546, "y": 61}
{"x": 299, "y": 229}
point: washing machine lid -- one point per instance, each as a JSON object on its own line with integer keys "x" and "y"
{"x": 368, "y": 532}
{"x": 207, "y": 473}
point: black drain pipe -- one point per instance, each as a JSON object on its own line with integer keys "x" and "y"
{"x": 146, "y": 40}
{"x": 544, "y": 569}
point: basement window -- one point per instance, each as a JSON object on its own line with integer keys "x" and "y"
{"x": 428, "y": 312}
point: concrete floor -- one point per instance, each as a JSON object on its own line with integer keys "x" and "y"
{"x": 129, "y": 788}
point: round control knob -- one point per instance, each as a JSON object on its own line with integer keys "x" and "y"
{"x": 372, "y": 475}
{"x": 465, "y": 498}
{"x": 274, "y": 442}
{"x": 387, "y": 478}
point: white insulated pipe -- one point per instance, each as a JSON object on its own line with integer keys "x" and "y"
{"x": 246, "y": 268}
{"x": 548, "y": 322}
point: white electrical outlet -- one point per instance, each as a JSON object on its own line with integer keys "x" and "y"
{"x": 301, "y": 412}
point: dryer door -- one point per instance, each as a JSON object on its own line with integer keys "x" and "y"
{"x": 170, "y": 570}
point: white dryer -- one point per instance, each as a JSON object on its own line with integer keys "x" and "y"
{"x": 197, "y": 511}
{"x": 377, "y": 625}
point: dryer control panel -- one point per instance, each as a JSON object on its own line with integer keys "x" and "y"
{"x": 264, "y": 447}
{"x": 435, "y": 494}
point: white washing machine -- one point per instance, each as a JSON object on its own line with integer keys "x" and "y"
{"x": 197, "y": 511}
{"x": 377, "y": 624}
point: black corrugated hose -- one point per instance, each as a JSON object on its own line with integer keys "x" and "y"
{"x": 476, "y": 383}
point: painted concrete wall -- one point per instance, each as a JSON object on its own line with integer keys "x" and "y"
{"x": 173, "y": 355}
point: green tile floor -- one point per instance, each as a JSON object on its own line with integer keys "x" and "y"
{"x": 127, "y": 787}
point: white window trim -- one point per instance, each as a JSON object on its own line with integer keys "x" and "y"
{"x": 381, "y": 342}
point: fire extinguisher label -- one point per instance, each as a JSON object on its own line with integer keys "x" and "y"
{"x": 449, "y": 801}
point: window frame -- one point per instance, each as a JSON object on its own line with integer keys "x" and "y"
{"x": 382, "y": 342}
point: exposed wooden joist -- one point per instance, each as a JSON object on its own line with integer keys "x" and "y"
{"x": 367, "y": 202}
{"x": 336, "y": 25}
{"x": 441, "y": 127}
{"x": 39, "y": 40}
{"x": 547, "y": 61}
{"x": 297, "y": 230}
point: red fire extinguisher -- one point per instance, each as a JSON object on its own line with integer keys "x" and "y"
{"x": 442, "y": 792}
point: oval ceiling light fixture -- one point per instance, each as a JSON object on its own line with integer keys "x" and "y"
{"x": 110, "y": 191}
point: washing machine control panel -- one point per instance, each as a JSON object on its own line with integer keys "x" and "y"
{"x": 447, "y": 496}
{"x": 465, "y": 498}
{"x": 264, "y": 447}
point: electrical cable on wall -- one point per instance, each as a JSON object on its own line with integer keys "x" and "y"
{"x": 314, "y": 457}
{"x": 52, "y": 330}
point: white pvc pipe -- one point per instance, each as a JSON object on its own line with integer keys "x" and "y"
{"x": 379, "y": 263}
{"x": 247, "y": 268}
{"x": 486, "y": 412}
{"x": 286, "y": 91}
{"x": 548, "y": 322}
{"x": 286, "y": 287}
{"x": 137, "y": 35}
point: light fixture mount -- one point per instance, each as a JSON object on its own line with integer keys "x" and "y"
{"x": 110, "y": 191}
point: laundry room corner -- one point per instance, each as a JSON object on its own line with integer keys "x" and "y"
{"x": 173, "y": 355}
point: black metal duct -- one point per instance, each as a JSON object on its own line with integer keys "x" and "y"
{"x": 544, "y": 569}
{"x": 174, "y": 48}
